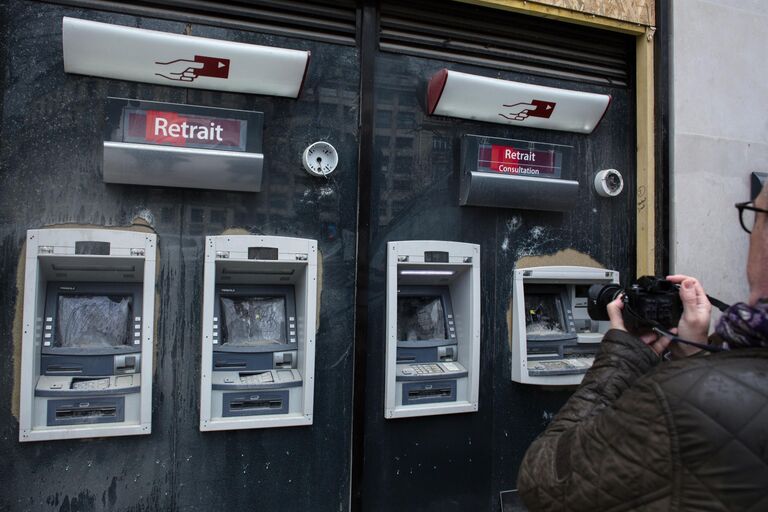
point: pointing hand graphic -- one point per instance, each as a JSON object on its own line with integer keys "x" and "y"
{"x": 182, "y": 70}
{"x": 518, "y": 111}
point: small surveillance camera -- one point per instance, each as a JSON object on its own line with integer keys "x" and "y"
{"x": 609, "y": 183}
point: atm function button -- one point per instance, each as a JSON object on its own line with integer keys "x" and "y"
{"x": 48, "y": 327}
{"x": 291, "y": 318}
{"x": 49, "y": 319}
{"x": 137, "y": 326}
{"x": 137, "y": 319}
{"x": 293, "y": 333}
{"x": 293, "y": 340}
{"x": 47, "y": 335}
{"x": 450, "y": 316}
{"x": 47, "y": 344}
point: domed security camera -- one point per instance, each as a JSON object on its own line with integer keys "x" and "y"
{"x": 609, "y": 183}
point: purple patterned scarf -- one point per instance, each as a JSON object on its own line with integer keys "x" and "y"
{"x": 744, "y": 326}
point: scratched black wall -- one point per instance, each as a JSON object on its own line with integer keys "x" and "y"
{"x": 52, "y": 125}
{"x": 461, "y": 462}
{"x": 50, "y": 173}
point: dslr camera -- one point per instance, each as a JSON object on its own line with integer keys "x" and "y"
{"x": 650, "y": 302}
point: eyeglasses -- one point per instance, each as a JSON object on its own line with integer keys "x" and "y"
{"x": 747, "y": 214}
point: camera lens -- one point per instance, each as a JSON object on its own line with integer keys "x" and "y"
{"x": 599, "y": 297}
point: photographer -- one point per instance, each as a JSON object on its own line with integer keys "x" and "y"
{"x": 687, "y": 434}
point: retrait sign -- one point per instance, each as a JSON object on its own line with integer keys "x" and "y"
{"x": 174, "y": 145}
{"x": 515, "y": 157}
{"x": 171, "y": 124}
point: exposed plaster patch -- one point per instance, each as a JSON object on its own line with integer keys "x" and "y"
{"x": 564, "y": 257}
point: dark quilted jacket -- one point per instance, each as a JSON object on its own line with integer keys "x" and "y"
{"x": 640, "y": 435}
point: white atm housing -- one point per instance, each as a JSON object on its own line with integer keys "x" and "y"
{"x": 259, "y": 325}
{"x": 432, "y": 328}
{"x": 87, "y": 343}
{"x": 554, "y": 342}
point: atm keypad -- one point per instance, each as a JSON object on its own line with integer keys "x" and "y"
{"x": 258, "y": 378}
{"x": 422, "y": 369}
{"x": 91, "y": 385}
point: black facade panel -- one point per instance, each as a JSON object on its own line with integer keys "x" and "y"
{"x": 51, "y": 175}
{"x": 507, "y": 41}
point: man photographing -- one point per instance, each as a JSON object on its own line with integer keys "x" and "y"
{"x": 687, "y": 434}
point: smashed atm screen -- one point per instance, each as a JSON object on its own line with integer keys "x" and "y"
{"x": 252, "y": 321}
{"x": 93, "y": 321}
{"x": 420, "y": 318}
{"x": 544, "y": 314}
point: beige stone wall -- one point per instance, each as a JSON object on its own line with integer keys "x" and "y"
{"x": 633, "y": 11}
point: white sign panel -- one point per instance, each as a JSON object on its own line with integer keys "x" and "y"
{"x": 139, "y": 55}
{"x": 455, "y": 94}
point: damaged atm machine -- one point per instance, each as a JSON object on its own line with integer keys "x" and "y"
{"x": 88, "y": 328}
{"x": 553, "y": 341}
{"x": 259, "y": 323}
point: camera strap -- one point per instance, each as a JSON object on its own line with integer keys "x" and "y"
{"x": 722, "y": 306}
{"x": 677, "y": 339}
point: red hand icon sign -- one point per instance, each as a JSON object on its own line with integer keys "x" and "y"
{"x": 536, "y": 108}
{"x": 186, "y": 70}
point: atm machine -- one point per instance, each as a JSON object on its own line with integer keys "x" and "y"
{"x": 88, "y": 328}
{"x": 432, "y": 328}
{"x": 259, "y": 323}
{"x": 554, "y": 342}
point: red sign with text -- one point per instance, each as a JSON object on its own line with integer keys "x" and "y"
{"x": 185, "y": 130}
{"x": 513, "y": 160}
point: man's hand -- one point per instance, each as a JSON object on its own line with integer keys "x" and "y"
{"x": 697, "y": 311}
{"x": 653, "y": 340}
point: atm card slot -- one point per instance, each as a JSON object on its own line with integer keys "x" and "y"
{"x": 54, "y": 369}
{"x": 415, "y": 393}
{"x": 230, "y": 365}
{"x": 226, "y": 361}
{"x": 548, "y": 355}
{"x": 83, "y": 411}
{"x": 255, "y": 403}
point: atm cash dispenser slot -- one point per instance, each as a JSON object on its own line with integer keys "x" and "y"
{"x": 554, "y": 342}
{"x": 88, "y": 334}
{"x": 259, "y": 308}
{"x": 433, "y": 328}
